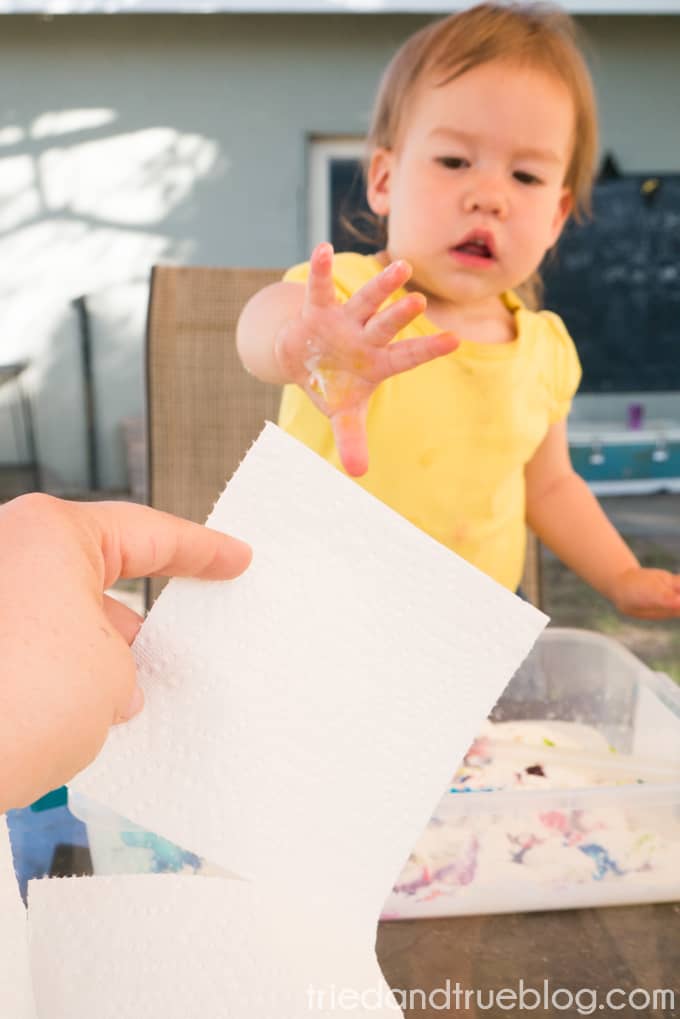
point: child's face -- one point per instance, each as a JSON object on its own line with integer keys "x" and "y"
{"x": 474, "y": 193}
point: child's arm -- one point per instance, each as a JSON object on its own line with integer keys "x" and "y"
{"x": 567, "y": 517}
{"x": 338, "y": 353}
{"x": 258, "y": 325}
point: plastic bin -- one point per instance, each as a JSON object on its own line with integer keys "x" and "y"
{"x": 509, "y": 850}
{"x": 45, "y": 837}
{"x": 117, "y": 846}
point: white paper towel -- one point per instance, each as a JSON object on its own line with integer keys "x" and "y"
{"x": 302, "y": 721}
{"x": 172, "y": 947}
{"x": 16, "y": 998}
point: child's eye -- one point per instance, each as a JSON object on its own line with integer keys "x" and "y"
{"x": 452, "y": 162}
{"x": 526, "y": 178}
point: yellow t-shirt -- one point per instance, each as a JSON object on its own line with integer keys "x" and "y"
{"x": 449, "y": 440}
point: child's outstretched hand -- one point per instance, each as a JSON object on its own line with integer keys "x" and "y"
{"x": 648, "y": 594}
{"x": 339, "y": 353}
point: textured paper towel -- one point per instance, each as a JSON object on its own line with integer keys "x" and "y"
{"x": 303, "y": 720}
{"x": 16, "y": 999}
{"x": 171, "y": 947}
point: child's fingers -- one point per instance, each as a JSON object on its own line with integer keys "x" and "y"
{"x": 320, "y": 292}
{"x": 384, "y": 326}
{"x": 658, "y": 597}
{"x": 672, "y": 595}
{"x": 365, "y": 303}
{"x": 406, "y": 354}
{"x": 351, "y": 440}
{"x": 668, "y": 612}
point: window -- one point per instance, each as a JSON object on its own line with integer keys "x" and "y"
{"x": 337, "y": 194}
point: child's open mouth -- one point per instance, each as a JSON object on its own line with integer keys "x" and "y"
{"x": 475, "y": 249}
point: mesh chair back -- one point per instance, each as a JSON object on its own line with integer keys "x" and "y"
{"x": 203, "y": 409}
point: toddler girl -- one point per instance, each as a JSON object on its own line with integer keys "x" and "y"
{"x": 482, "y": 144}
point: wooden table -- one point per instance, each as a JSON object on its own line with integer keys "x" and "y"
{"x": 625, "y": 947}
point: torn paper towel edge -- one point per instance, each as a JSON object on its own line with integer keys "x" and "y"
{"x": 16, "y": 996}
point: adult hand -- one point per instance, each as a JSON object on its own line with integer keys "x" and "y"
{"x": 339, "y": 353}
{"x": 66, "y": 670}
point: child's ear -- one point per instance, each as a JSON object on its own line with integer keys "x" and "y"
{"x": 564, "y": 208}
{"x": 378, "y": 181}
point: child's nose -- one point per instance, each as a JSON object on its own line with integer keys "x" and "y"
{"x": 488, "y": 198}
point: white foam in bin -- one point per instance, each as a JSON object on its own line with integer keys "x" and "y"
{"x": 519, "y": 849}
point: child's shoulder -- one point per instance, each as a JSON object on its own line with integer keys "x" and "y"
{"x": 553, "y": 351}
{"x": 350, "y": 271}
{"x": 544, "y": 324}
{"x": 553, "y": 329}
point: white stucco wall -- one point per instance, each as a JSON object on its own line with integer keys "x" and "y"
{"x": 132, "y": 139}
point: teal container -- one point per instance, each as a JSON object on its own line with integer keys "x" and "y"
{"x": 57, "y": 798}
{"x": 625, "y": 461}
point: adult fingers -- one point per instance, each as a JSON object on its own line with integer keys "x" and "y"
{"x": 400, "y": 357}
{"x": 320, "y": 292}
{"x": 368, "y": 299}
{"x": 137, "y": 541}
{"x": 127, "y": 622}
{"x": 132, "y": 708}
{"x": 351, "y": 440}
{"x": 122, "y": 618}
{"x": 384, "y": 326}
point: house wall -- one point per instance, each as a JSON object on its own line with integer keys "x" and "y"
{"x": 126, "y": 140}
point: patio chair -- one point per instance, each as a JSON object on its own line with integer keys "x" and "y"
{"x": 203, "y": 409}
{"x": 21, "y": 474}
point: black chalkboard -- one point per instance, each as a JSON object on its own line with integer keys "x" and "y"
{"x": 616, "y": 283}
{"x": 615, "y": 280}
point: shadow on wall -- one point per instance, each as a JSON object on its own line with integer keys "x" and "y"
{"x": 88, "y": 208}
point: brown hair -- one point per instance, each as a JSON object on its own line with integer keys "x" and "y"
{"x": 538, "y": 35}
